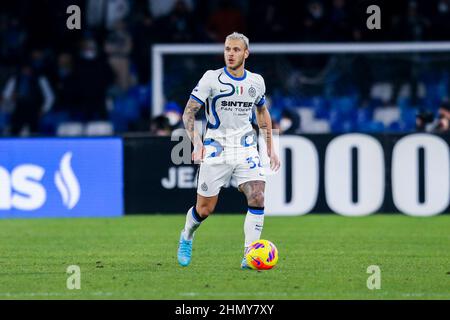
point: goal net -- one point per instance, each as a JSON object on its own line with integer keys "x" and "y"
{"x": 376, "y": 87}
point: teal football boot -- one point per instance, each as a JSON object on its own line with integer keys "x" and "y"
{"x": 184, "y": 251}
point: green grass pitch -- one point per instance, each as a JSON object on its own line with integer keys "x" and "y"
{"x": 134, "y": 257}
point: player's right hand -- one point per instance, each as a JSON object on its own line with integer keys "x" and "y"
{"x": 198, "y": 154}
{"x": 275, "y": 163}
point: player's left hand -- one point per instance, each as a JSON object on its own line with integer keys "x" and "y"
{"x": 274, "y": 162}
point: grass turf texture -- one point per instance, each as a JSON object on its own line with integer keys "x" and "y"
{"x": 321, "y": 257}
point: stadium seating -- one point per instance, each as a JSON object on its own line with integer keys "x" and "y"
{"x": 99, "y": 128}
{"x": 93, "y": 128}
{"x": 3, "y": 120}
{"x": 70, "y": 129}
{"x": 322, "y": 113}
{"x": 386, "y": 115}
{"x": 381, "y": 91}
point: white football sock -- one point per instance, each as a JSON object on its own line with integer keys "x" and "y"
{"x": 253, "y": 225}
{"x": 193, "y": 221}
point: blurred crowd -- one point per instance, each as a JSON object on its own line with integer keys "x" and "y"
{"x": 96, "y": 80}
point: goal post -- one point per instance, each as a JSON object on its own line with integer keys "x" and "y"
{"x": 159, "y": 51}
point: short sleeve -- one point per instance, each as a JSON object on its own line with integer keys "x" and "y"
{"x": 261, "y": 97}
{"x": 202, "y": 90}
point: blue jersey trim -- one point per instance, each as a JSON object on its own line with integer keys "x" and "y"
{"x": 213, "y": 105}
{"x": 216, "y": 145}
{"x": 261, "y": 102}
{"x": 235, "y": 78}
{"x": 197, "y": 99}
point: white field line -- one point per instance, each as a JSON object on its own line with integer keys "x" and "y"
{"x": 310, "y": 294}
{"x": 376, "y": 294}
{"x": 54, "y": 294}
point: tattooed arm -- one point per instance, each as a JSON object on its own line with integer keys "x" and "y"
{"x": 265, "y": 126}
{"x": 192, "y": 107}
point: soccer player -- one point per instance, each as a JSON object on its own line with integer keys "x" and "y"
{"x": 229, "y": 148}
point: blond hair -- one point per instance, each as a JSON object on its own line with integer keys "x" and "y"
{"x": 239, "y": 36}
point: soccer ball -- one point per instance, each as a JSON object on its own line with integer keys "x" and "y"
{"x": 262, "y": 255}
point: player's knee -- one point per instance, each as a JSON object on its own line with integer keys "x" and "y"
{"x": 204, "y": 211}
{"x": 256, "y": 199}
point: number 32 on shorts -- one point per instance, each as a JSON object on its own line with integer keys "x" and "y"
{"x": 253, "y": 164}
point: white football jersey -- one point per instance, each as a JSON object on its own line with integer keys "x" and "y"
{"x": 229, "y": 103}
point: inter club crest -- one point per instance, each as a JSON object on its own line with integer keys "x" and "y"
{"x": 252, "y": 92}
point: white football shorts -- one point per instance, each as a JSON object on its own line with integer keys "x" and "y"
{"x": 243, "y": 165}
